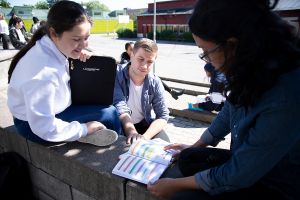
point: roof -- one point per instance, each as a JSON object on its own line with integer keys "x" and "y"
{"x": 172, "y": 11}
{"x": 288, "y": 5}
{"x": 5, "y": 11}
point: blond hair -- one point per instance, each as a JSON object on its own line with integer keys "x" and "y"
{"x": 147, "y": 44}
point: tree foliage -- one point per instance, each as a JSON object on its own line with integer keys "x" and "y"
{"x": 95, "y": 5}
{"x": 126, "y": 33}
{"x": 42, "y": 5}
{"x": 4, "y": 4}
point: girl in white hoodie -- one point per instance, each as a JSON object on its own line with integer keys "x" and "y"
{"x": 39, "y": 95}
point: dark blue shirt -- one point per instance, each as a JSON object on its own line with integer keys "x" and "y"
{"x": 217, "y": 79}
{"x": 265, "y": 142}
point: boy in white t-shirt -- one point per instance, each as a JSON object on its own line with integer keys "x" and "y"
{"x": 139, "y": 95}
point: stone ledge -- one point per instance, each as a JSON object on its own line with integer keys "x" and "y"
{"x": 136, "y": 191}
{"x": 73, "y": 170}
{"x": 87, "y": 168}
{"x": 11, "y": 141}
{"x": 48, "y": 185}
{"x": 203, "y": 116}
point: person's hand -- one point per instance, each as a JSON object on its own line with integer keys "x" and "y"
{"x": 134, "y": 136}
{"x": 85, "y": 54}
{"x": 163, "y": 188}
{"x": 177, "y": 147}
{"x": 94, "y": 126}
{"x": 195, "y": 105}
{"x": 207, "y": 98}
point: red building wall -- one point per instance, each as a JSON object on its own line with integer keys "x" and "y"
{"x": 143, "y": 21}
{"x": 164, "y": 18}
{"x": 293, "y": 17}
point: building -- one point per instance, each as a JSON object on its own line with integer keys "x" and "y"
{"x": 174, "y": 15}
{"x": 133, "y": 13}
{"x": 116, "y": 13}
{"x": 22, "y": 11}
{"x": 170, "y": 15}
{"x": 25, "y": 12}
{"x": 290, "y": 11}
{"x": 97, "y": 14}
{"x": 6, "y": 12}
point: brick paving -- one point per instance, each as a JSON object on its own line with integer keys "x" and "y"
{"x": 188, "y": 131}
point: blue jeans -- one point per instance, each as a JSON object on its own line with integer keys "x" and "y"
{"x": 193, "y": 160}
{"x": 81, "y": 113}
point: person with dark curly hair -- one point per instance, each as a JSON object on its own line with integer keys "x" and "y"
{"x": 214, "y": 99}
{"x": 259, "y": 54}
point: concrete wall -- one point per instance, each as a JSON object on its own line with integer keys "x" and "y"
{"x": 74, "y": 171}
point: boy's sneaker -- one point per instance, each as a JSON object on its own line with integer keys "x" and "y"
{"x": 175, "y": 93}
{"x": 101, "y": 138}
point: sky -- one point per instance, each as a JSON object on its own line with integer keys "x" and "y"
{"x": 111, "y": 4}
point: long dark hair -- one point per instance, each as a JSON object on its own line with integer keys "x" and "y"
{"x": 16, "y": 20}
{"x": 62, "y": 16}
{"x": 266, "y": 46}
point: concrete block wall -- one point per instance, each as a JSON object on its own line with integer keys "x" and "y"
{"x": 74, "y": 171}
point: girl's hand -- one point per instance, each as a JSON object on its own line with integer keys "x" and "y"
{"x": 85, "y": 54}
{"x": 177, "y": 147}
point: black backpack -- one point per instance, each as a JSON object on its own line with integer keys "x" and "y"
{"x": 15, "y": 181}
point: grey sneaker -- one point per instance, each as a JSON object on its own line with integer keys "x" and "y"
{"x": 101, "y": 138}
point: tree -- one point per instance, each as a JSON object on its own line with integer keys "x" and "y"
{"x": 4, "y": 4}
{"x": 95, "y": 5}
{"x": 41, "y": 5}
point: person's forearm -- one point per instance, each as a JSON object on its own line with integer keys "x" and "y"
{"x": 127, "y": 124}
{"x": 186, "y": 183}
{"x": 167, "y": 187}
{"x": 199, "y": 143}
{"x": 155, "y": 127}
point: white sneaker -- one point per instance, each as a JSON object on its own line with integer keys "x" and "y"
{"x": 103, "y": 137}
